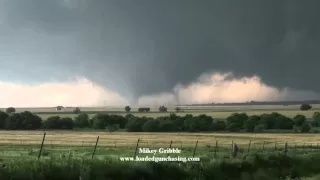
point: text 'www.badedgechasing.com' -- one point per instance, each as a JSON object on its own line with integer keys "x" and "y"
{"x": 161, "y": 159}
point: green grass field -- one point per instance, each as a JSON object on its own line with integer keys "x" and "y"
{"x": 219, "y": 112}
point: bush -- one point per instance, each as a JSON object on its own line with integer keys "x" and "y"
{"x": 233, "y": 127}
{"x": 237, "y": 120}
{"x": 178, "y": 109}
{"x": 127, "y": 108}
{"x": 135, "y": 124}
{"x": 316, "y": 119}
{"x": 113, "y": 127}
{"x": 305, "y": 107}
{"x": 10, "y": 110}
{"x": 3, "y": 118}
{"x": 66, "y": 123}
{"x": 151, "y": 126}
{"x": 305, "y": 128}
{"x": 52, "y": 122}
{"x": 260, "y": 127}
{"x": 218, "y": 125}
{"x": 162, "y": 109}
{"x": 76, "y": 110}
{"x": 81, "y": 120}
{"x": 299, "y": 120}
{"x": 56, "y": 122}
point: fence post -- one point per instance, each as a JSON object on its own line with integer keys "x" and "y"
{"x": 317, "y": 146}
{"x": 195, "y": 148}
{"x": 264, "y": 142}
{"x": 95, "y": 147}
{"x": 135, "y": 152}
{"x": 170, "y": 146}
{"x": 115, "y": 144}
{"x": 286, "y": 148}
{"x": 215, "y": 149}
{"x": 41, "y": 147}
{"x": 249, "y": 146}
{"x": 275, "y": 145}
{"x": 231, "y": 146}
{"x": 181, "y": 144}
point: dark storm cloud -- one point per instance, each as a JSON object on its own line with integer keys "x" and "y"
{"x": 149, "y": 46}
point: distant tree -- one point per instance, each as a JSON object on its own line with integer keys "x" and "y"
{"x": 299, "y": 120}
{"x": 3, "y": 118}
{"x": 260, "y": 127}
{"x": 305, "y": 128}
{"x": 162, "y": 109}
{"x": 305, "y": 107}
{"x": 127, "y": 108}
{"x": 76, "y": 110}
{"x": 218, "y": 125}
{"x": 237, "y": 119}
{"x": 23, "y": 121}
{"x": 135, "y": 124}
{"x": 316, "y": 119}
{"x": 81, "y": 120}
{"x": 249, "y": 125}
{"x": 151, "y": 126}
{"x": 10, "y": 110}
{"x": 178, "y": 109}
{"x": 113, "y": 127}
{"x": 233, "y": 127}
{"x": 52, "y": 122}
{"x": 99, "y": 121}
{"x": 66, "y": 123}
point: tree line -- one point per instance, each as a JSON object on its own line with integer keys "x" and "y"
{"x": 236, "y": 122}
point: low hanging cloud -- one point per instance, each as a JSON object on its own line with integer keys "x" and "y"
{"x": 78, "y": 92}
{"x": 215, "y": 87}
{"x": 220, "y": 88}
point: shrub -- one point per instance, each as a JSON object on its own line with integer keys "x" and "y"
{"x": 299, "y": 120}
{"x": 81, "y": 120}
{"x": 162, "y": 109}
{"x": 218, "y": 125}
{"x": 151, "y": 126}
{"x": 233, "y": 127}
{"x": 76, "y": 110}
{"x": 3, "y": 118}
{"x": 10, "y": 110}
{"x": 178, "y": 109}
{"x": 260, "y": 127}
{"x": 135, "y": 124}
{"x": 127, "y": 108}
{"x": 305, "y": 128}
{"x": 237, "y": 120}
{"x": 113, "y": 127}
{"x": 305, "y": 107}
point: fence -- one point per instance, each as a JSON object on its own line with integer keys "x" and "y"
{"x": 191, "y": 148}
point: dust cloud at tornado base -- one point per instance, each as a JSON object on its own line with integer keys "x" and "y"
{"x": 209, "y": 88}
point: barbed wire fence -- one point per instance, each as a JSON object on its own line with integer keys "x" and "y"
{"x": 41, "y": 146}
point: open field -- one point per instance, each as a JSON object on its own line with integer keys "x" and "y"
{"x": 27, "y": 143}
{"x": 217, "y": 114}
{"x": 220, "y": 112}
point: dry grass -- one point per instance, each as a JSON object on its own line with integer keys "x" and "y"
{"x": 124, "y": 139}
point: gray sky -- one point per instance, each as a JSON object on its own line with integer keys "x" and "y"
{"x": 144, "y": 47}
